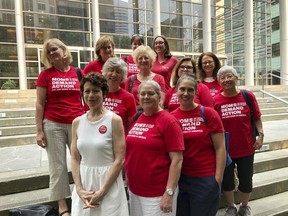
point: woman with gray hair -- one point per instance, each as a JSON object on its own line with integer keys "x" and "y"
{"x": 153, "y": 156}
{"x": 237, "y": 109}
{"x": 58, "y": 103}
{"x": 118, "y": 100}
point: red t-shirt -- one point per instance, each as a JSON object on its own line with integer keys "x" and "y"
{"x": 94, "y": 66}
{"x": 165, "y": 69}
{"x": 214, "y": 87}
{"x": 199, "y": 157}
{"x": 157, "y": 78}
{"x": 148, "y": 144}
{"x": 132, "y": 67}
{"x": 122, "y": 103}
{"x": 236, "y": 118}
{"x": 202, "y": 97}
{"x": 63, "y": 101}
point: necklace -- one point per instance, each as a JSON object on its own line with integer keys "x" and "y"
{"x": 59, "y": 72}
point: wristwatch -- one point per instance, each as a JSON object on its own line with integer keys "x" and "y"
{"x": 261, "y": 133}
{"x": 170, "y": 192}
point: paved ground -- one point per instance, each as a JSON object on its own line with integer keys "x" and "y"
{"x": 32, "y": 156}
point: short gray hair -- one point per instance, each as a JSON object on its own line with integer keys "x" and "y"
{"x": 156, "y": 86}
{"x": 226, "y": 69}
{"x": 117, "y": 64}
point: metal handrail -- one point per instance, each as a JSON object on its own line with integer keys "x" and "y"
{"x": 269, "y": 94}
{"x": 273, "y": 96}
{"x": 278, "y": 76}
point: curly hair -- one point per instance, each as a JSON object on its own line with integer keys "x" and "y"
{"x": 96, "y": 80}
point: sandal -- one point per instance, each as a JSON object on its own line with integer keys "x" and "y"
{"x": 64, "y": 212}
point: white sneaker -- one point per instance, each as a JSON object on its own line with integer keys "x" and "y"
{"x": 244, "y": 211}
{"x": 231, "y": 211}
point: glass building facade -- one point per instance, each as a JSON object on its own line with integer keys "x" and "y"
{"x": 181, "y": 21}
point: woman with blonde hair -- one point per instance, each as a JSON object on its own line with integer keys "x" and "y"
{"x": 144, "y": 58}
{"x": 58, "y": 103}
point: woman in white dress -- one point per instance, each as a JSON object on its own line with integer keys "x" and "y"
{"x": 97, "y": 155}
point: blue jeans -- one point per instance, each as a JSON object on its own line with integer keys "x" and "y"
{"x": 198, "y": 196}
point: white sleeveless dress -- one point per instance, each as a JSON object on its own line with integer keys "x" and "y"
{"x": 95, "y": 146}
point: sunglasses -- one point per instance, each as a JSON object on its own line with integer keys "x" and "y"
{"x": 137, "y": 35}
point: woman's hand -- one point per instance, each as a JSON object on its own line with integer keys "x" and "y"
{"x": 258, "y": 143}
{"x": 96, "y": 198}
{"x": 166, "y": 203}
{"x": 86, "y": 197}
{"x": 41, "y": 139}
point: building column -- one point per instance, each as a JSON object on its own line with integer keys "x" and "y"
{"x": 96, "y": 21}
{"x": 248, "y": 43}
{"x": 157, "y": 17}
{"x": 207, "y": 42}
{"x": 283, "y": 4}
{"x": 20, "y": 45}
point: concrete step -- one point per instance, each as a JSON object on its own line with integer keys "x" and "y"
{"x": 15, "y": 140}
{"x": 17, "y": 105}
{"x": 20, "y": 180}
{"x": 5, "y": 122}
{"x": 273, "y": 117}
{"x": 10, "y": 94}
{"x": 273, "y": 104}
{"x": 17, "y": 130}
{"x": 39, "y": 196}
{"x": 270, "y": 160}
{"x": 274, "y": 110}
{"x": 275, "y": 205}
{"x": 14, "y": 113}
{"x": 265, "y": 184}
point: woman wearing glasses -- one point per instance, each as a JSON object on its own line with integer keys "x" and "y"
{"x": 56, "y": 106}
{"x": 208, "y": 65}
{"x": 203, "y": 96}
{"x": 104, "y": 49}
{"x": 136, "y": 41}
{"x": 164, "y": 62}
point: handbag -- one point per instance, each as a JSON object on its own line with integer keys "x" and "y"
{"x": 34, "y": 210}
{"x": 226, "y": 136}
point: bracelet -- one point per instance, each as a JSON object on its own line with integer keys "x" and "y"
{"x": 261, "y": 133}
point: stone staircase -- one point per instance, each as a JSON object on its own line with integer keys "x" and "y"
{"x": 30, "y": 185}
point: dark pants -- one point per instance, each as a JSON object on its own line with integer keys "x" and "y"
{"x": 198, "y": 196}
{"x": 245, "y": 174}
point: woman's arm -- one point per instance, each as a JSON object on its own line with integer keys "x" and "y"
{"x": 172, "y": 183}
{"x": 218, "y": 140}
{"x": 40, "y": 106}
{"x": 75, "y": 166}
{"x": 118, "y": 140}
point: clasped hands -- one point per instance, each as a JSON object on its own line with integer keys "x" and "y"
{"x": 91, "y": 199}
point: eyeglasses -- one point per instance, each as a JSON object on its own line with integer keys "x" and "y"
{"x": 187, "y": 67}
{"x": 106, "y": 47}
{"x": 159, "y": 42}
{"x": 227, "y": 77}
{"x": 208, "y": 62}
{"x": 53, "y": 49}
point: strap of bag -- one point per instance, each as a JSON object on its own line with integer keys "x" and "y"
{"x": 131, "y": 82}
{"x": 79, "y": 74}
{"x": 249, "y": 103}
{"x": 226, "y": 135}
